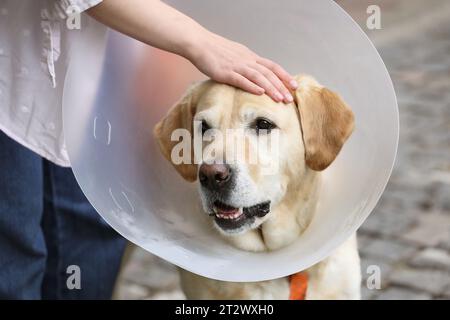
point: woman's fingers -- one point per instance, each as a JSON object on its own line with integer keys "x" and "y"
{"x": 276, "y": 82}
{"x": 261, "y": 80}
{"x": 282, "y": 74}
{"x": 237, "y": 80}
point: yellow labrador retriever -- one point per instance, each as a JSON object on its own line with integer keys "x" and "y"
{"x": 256, "y": 209}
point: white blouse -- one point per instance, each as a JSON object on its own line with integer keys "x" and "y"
{"x": 35, "y": 39}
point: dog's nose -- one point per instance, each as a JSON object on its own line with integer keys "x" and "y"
{"x": 214, "y": 176}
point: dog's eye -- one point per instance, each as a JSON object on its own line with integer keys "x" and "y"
{"x": 205, "y": 127}
{"x": 263, "y": 125}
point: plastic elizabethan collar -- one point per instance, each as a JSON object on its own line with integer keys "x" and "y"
{"x": 112, "y": 101}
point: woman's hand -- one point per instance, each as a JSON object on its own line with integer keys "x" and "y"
{"x": 232, "y": 63}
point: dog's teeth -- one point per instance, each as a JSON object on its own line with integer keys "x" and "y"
{"x": 228, "y": 216}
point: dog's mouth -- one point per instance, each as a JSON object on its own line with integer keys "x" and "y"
{"x": 231, "y": 218}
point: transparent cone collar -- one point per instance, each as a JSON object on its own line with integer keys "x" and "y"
{"x": 113, "y": 98}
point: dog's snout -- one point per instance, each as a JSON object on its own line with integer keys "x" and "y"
{"x": 214, "y": 176}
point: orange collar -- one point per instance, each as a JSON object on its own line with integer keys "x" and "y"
{"x": 298, "y": 284}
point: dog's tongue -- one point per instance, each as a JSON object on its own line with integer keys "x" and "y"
{"x": 225, "y": 209}
{"x": 227, "y": 212}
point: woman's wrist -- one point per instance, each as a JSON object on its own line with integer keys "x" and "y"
{"x": 196, "y": 41}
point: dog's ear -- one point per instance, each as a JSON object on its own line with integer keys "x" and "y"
{"x": 326, "y": 122}
{"x": 180, "y": 116}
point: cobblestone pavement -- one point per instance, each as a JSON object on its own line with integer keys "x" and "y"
{"x": 408, "y": 234}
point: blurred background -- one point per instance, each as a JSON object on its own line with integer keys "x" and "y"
{"x": 408, "y": 234}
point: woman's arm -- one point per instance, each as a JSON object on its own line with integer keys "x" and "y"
{"x": 157, "y": 24}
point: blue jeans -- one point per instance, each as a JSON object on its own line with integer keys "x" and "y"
{"x": 46, "y": 226}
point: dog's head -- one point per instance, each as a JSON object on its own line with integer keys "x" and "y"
{"x": 252, "y": 149}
